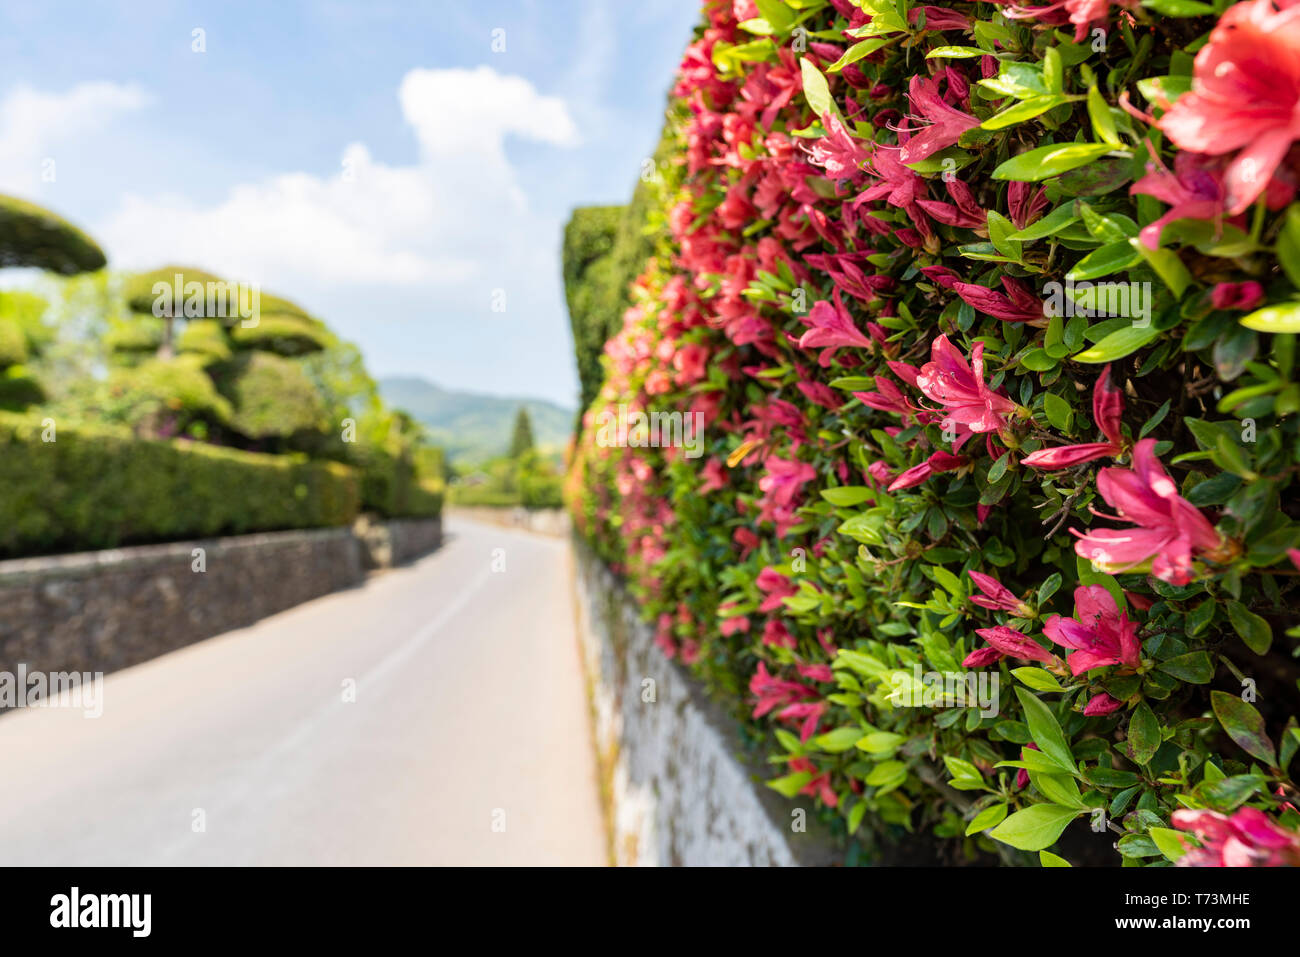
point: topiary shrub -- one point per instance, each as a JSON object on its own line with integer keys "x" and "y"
{"x": 33, "y": 236}
{"x": 272, "y": 397}
{"x": 285, "y": 335}
{"x": 970, "y": 545}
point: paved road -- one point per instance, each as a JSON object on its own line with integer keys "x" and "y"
{"x": 467, "y": 742}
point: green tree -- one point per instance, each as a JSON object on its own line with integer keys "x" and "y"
{"x": 522, "y": 439}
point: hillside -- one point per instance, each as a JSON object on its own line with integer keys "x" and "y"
{"x": 472, "y": 426}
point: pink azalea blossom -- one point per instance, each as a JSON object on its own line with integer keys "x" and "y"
{"x": 997, "y": 596}
{"x": 1249, "y": 838}
{"x": 820, "y": 785}
{"x": 938, "y": 462}
{"x": 1084, "y": 14}
{"x": 1102, "y": 704}
{"x": 1168, "y": 530}
{"x": 784, "y": 479}
{"x": 775, "y": 587}
{"x": 1102, "y": 635}
{"x": 959, "y": 387}
{"x": 1194, "y": 190}
{"x": 947, "y": 123}
{"x": 1245, "y": 96}
{"x": 1008, "y": 642}
{"x": 1019, "y": 305}
{"x": 831, "y": 325}
{"x": 1236, "y": 295}
{"x": 1107, "y": 411}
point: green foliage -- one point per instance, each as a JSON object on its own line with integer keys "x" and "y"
{"x": 283, "y": 334}
{"x": 272, "y": 397}
{"x": 528, "y": 480}
{"x": 521, "y": 440}
{"x": 172, "y": 391}
{"x": 101, "y": 488}
{"x": 33, "y": 236}
{"x": 201, "y": 337}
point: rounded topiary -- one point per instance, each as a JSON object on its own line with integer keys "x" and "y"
{"x": 33, "y": 236}
{"x": 272, "y": 397}
{"x": 283, "y": 334}
{"x": 13, "y": 344}
{"x": 206, "y": 338}
{"x": 178, "y": 385}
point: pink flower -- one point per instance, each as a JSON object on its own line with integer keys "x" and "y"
{"x": 842, "y": 156}
{"x": 1082, "y": 13}
{"x": 1249, "y": 838}
{"x": 1169, "y": 530}
{"x": 936, "y": 463}
{"x": 947, "y": 123}
{"x": 1102, "y": 704}
{"x": 831, "y": 325}
{"x": 1020, "y": 305}
{"x": 1245, "y": 96}
{"x": 939, "y": 18}
{"x": 1008, "y": 642}
{"x": 1101, "y": 636}
{"x": 1236, "y": 295}
{"x": 819, "y": 786}
{"x": 959, "y": 387}
{"x": 1194, "y": 190}
{"x": 997, "y": 596}
{"x": 776, "y": 587}
{"x": 1107, "y": 411}
{"x": 796, "y": 700}
{"x": 784, "y": 479}
{"x": 715, "y": 476}
{"x": 776, "y": 633}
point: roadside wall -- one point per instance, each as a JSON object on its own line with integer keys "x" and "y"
{"x": 105, "y": 610}
{"x": 677, "y": 786}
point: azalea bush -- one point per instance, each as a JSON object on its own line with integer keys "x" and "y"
{"x": 988, "y": 315}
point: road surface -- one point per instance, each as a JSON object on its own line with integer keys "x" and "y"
{"x": 467, "y": 742}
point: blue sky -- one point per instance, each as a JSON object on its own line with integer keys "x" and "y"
{"x": 378, "y": 162}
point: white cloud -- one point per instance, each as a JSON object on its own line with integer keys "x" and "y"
{"x": 36, "y": 127}
{"x": 438, "y": 221}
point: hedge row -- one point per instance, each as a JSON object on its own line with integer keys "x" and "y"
{"x": 963, "y": 557}
{"x": 99, "y": 488}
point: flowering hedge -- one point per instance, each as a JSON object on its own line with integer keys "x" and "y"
{"x": 934, "y": 456}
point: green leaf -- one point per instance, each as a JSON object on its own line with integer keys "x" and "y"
{"x": 1035, "y": 828}
{"x": 1168, "y": 841}
{"x": 1103, "y": 124}
{"x": 1053, "y": 222}
{"x": 1024, "y": 110}
{"x": 1167, "y": 266}
{"x": 1288, "y": 245}
{"x": 1053, "y": 160}
{"x": 1118, "y": 344}
{"x": 1105, "y": 261}
{"x": 815, "y": 89}
{"x": 1195, "y": 668}
{"x": 1000, "y": 230}
{"x": 989, "y": 817}
{"x": 1059, "y": 412}
{"x": 1254, "y": 630}
{"x": 1244, "y": 725}
{"x": 856, "y": 52}
{"x": 1143, "y": 734}
{"x": 1037, "y": 678}
{"x": 841, "y": 739}
{"x": 1284, "y": 317}
{"x": 956, "y": 53}
{"x": 789, "y": 785}
{"x": 847, "y": 495}
{"x": 1180, "y": 8}
{"x": 1048, "y": 859}
{"x": 1046, "y": 732}
{"x": 879, "y": 742}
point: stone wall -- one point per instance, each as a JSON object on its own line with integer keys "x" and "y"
{"x": 396, "y": 542}
{"x": 679, "y": 789}
{"x": 101, "y": 611}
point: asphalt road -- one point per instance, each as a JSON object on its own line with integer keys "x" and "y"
{"x": 467, "y": 742}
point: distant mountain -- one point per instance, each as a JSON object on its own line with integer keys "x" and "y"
{"x": 472, "y": 426}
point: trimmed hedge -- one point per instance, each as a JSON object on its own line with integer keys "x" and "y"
{"x": 100, "y": 488}
{"x": 920, "y": 462}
